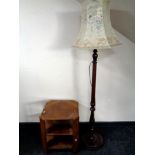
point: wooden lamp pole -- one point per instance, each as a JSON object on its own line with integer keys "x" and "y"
{"x": 92, "y": 139}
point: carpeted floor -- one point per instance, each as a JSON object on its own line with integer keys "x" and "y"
{"x": 119, "y": 139}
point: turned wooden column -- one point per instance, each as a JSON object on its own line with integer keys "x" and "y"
{"x": 93, "y": 92}
{"x": 92, "y": 139}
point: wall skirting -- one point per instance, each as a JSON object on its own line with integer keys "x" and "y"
{"x": 83, "y": 125}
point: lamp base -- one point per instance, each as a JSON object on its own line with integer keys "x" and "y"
{"x": 94, "y": 141}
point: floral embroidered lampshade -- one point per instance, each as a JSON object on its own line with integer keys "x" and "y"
{"x": 96, "y": 31}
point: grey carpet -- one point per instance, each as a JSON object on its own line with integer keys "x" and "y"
{"x": 119, "y": 139}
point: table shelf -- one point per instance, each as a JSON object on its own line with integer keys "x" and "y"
{"x": 60, "y": 131}
{"x": 60, "y": 142}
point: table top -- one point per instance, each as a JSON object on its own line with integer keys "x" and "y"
{"x": 60, "y": 110}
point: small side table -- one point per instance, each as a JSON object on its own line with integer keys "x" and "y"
{"x": 59, "y": 124}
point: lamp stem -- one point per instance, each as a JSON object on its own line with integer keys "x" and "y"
{"x": 93, "y": 92}
{"x": 92, "y": 139}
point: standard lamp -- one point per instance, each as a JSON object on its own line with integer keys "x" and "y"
{"x": 95, "y": 33}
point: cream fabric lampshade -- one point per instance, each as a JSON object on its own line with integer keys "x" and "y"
{"x": 96, "y": 31}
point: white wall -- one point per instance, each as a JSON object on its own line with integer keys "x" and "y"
{"x": 51, "y": 69}
{"x": 123, "y": 17}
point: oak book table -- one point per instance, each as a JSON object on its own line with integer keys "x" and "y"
{"x": 59, "y": 124}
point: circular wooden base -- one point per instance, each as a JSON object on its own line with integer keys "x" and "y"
{"x": 94, "y": 142}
